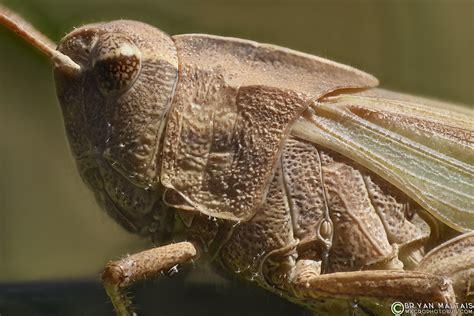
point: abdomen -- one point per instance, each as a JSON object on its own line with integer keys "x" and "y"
{"x": 324, "y": 207}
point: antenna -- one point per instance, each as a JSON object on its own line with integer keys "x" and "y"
{"x": 25, "y": 30}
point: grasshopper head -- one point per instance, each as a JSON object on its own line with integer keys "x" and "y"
{"x": 114, "y": 110}
{"x": 114, "y": 106}
{"x": 115, "y": 82}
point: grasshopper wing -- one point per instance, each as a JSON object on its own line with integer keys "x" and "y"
{"x": 233, "y": 107}
{"x": 423, "y": 147}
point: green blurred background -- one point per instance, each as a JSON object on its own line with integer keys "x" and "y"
{"x": 50, "y": 227}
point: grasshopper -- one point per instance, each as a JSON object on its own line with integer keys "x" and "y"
{"x": 289, "y": 170}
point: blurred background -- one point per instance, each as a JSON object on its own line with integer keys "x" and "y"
{"x": 50, "y": 227}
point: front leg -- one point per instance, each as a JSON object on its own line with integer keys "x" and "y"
{"x": 120, "y": 274}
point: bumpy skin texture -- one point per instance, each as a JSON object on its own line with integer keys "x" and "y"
{"x": 368, "y": 217}
{"x": 233, "y": 107}
{"x": 197, "y": 134}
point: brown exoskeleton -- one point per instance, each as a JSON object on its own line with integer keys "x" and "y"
{"x": 288, "y": 169}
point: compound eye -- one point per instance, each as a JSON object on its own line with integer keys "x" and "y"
{"x": 116, "y": 64}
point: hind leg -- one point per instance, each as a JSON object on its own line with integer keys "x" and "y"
{"x": 369, "y": 292}
{"x": 455, "y": 260}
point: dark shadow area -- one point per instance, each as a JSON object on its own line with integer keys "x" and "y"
{"x": 168, "y": 296}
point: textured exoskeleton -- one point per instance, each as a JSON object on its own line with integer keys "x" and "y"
{"x": 290, "y": 170}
